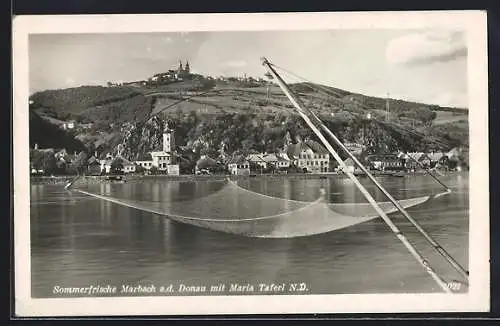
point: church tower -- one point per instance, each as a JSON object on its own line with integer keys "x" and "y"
{"x": 181, "y": 70}
{"x": 187, "y": 70}
{"x": 168, "y": 139}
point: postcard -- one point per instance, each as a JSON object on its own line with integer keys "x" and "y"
{"x": 277, "y": 163}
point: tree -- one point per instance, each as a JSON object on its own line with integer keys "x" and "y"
{"x": 79, "y": 164}
{"x": 37, "y": 158}
{"x": 139, "y": 169}
{"x": 117, "y": 165}
{"x": 49, "y": 164}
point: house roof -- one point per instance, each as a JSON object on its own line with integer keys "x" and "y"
{"x": 92, "y": 160}
{"x": 270, "y": 158}
{"x": 255, "y": 158}
{"x": 126, "y": 162}
{"x": 316, "y": 147}
{"x": 145, "y": 157}
{"x": 382, "y": 157}
{"x": 295, "y": 149}
{"x": 159, "y": 153}
{"x": 238, "y": 159}
{"x": 349, "y": 162}
{"x": 205, "y": 162}
{"x": 107, "y": 161}
{"x": 282, "y": 158}
{"x": 454, "y": 152}
{"x": 435, "y": 156}
{"x": 415, "y": 156}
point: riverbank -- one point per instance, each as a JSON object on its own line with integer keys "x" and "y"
{"x": 63, "y": 180}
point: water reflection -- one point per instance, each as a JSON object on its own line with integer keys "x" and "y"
{"x": 78, "y": 241}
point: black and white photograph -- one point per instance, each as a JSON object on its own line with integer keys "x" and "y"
{"x": 251, "y": 163}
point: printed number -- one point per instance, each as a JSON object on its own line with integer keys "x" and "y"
{"x": 454, "y": 286}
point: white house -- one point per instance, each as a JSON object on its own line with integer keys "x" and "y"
{"x": 283, "y": 160}
{"x": 69, "y": 125}
{"x": 106, "y": 165}
{"x": 309, "y": 156}
{"x": 162, "y": 159}
{"x": 258, "y": 160}
{"x": 350, "y": 166}
{"x": 239, "y": 166}
{"x": 173, "y": 169}
{"x": 146, "y": 164}
{"x": 128, "y": 167}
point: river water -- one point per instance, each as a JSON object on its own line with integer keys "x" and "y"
{"x": 79, "y": 241}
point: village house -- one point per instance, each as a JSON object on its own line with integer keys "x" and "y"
{"x": 257, "y": 160}
{"x": 162, "y": 159}
{"x": 204, "y": 164}
{"x": 283, "y": 161}
{"x": 69, "y": 125}
{"x": 146, "y": 162}
{"x": 386, "y": 162}
{"x": 86, "y": 126}
{"x": 93, "y": 166}
{"x": 238, "y": 165}
{"x": 106, "y": 165}
{"x": 417, "y": 160}
{"x": 309, "y": 156}
{"x": 264, "y": 161}
{"x": 271, "y": 160}
{"x": 438, "y": 159}
{"x": 354, "y": 148}
{"x": 128, "y": 166}
{"x": 350, "y": 166}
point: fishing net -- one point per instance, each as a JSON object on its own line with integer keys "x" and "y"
{"x": 234, "y": 209}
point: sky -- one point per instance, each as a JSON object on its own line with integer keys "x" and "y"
{"x": 428, "y": 66}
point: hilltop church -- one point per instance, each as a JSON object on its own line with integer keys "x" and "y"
{"x": 172, "y": 75}
{"x": 183, "y": 71}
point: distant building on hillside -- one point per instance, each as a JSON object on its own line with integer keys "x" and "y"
{"x": 172, "y": 75}
{"x": 69, "y": 124}
{"x": 355, "y": 148}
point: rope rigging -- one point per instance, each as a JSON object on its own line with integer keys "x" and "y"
{"x": 307, "y": 115}
{"x": 337, "y": 97}
{"x": 281, "y": 228}
{"x": 383, "y": 123}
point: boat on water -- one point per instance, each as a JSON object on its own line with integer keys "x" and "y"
{"x": 399, "y": 174}
{"x": 116, "y": 178}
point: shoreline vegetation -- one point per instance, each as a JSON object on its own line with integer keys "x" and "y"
{"x": 85, "y": 180}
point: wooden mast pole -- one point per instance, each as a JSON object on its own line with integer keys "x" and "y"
{"x": 351, "y": 176}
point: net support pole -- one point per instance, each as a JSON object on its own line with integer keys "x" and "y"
{"x": 460, "y": 269}
{"x": 428, "y": 172}
{"x": 403, "y": 211}
{"x": 442, "y": 284}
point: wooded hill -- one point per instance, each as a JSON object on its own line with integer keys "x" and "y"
{"x": 239, "y": 116}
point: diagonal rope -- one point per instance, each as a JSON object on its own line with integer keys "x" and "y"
{"x": 459, "y": 268}
{"x": 363, "y": 190}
